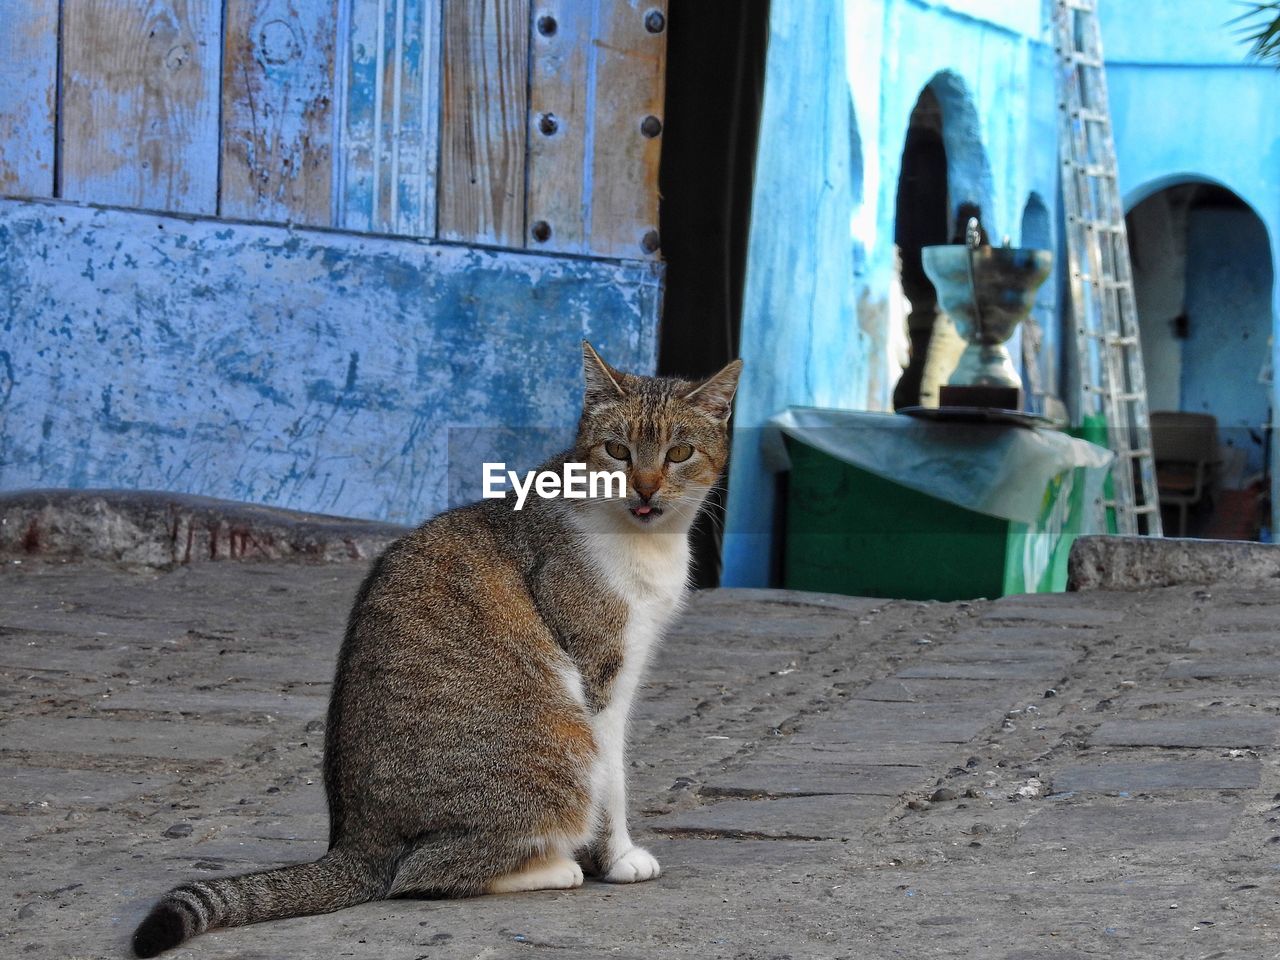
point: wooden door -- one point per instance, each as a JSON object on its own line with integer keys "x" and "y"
{"x": 315, "y": 252}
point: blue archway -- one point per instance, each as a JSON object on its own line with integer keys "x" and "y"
{"x": 968, "y": 170}
{"x": 1204, "y": 281}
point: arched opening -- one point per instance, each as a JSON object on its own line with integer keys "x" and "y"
{"x": 1202, "y": 271}
{"x": 944, "y": 171}
{"x": 922, "y": 218}
{"x": 1035, "y": 224}
{"x": 968, "y": 172}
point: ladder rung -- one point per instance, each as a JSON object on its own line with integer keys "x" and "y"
{"x": 1085, "y": 60}
{"x": 1128, "y": 397}
{"x": 1099, "y": 171}
{"x": 1104, "y": 282}
{"x": 1113, "y": 341}
{"x": 1091, "y": 116}
{"x": 1139, "y": 453}
{"x": 1109, "y": 282}
{"x": 1102, "y": 226}
{"x": 1078, "y": 5}
{"x": 1144, "y": 508}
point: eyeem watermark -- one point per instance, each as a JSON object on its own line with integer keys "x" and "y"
{"x": 574, "y": 482}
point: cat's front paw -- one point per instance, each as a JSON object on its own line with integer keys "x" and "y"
{"x": 634, "y": 866}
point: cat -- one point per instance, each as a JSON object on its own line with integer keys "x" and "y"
{"x": 476, "y": 730}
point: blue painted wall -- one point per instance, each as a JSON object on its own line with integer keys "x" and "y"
{"x": 321, "y": 371}
{"x": 1188, "y": 105}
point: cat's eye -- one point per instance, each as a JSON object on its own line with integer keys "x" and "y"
{"x": 680, "y": 453}
{"x": 617, "y": 450}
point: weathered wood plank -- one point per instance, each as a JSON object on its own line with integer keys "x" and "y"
{"x": 140, "y": 103}
{"x": 599, "y": 75}
{"x": 561, "y": 50}
{"x": 28, "y": 96}
{"x": 277, "y": 102}
{"x": 483, "y": 124}
{"x": 322, "y": 370}
{"x": 360, "y": 116}
{"x": 391, "y": 117}
{"x": 629, "y": 84}
{"x": 415, "y": 119}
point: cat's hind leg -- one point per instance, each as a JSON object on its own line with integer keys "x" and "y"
{"x": 456, "y": 864}
{"x": 546, "y": 872}
{"x": 467, "y": 864}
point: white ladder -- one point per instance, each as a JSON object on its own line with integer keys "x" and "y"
{"x": 1113, "y": 390}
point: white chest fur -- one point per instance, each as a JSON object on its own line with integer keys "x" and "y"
{"x": 650, "y": 573}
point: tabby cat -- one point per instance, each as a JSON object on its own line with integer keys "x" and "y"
{"x": 477, "y": 728}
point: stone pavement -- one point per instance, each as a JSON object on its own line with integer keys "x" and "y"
{"x": 1048, "y": 777}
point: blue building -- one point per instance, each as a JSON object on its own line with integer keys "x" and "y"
{"x": 312, "y": 254}
{"x": 856, "y": 94}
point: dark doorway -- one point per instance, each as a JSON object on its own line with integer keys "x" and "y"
{"x": 715, "y": 87}
{"x": 1203, "y": 282}
{"x": 921, "y": 219}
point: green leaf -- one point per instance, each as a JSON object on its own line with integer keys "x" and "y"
{"x": 1260, "y": 26}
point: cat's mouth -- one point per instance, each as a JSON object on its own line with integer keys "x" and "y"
{"x": 646, "y": 513}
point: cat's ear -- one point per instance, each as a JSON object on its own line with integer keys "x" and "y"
{"x": 603, "y": 382}
{"x": 714, "y": 395}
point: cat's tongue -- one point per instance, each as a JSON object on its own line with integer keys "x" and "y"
{"x": 643, "y": 511}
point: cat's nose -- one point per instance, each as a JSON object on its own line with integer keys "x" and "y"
{"x": 646, "y": 486}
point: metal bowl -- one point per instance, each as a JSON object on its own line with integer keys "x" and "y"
{"x": 987, "y": 292}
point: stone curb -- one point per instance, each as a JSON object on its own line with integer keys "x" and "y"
{"x": 163, "y": 529}
{"x": 1136, "y": 563}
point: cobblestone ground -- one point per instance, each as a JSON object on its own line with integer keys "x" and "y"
{"x": 1046, "y": 777}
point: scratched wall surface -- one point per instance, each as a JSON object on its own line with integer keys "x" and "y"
{"x": 307, "y": 369}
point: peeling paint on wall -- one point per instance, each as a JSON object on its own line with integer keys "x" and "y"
{"x": 306, "y": 369}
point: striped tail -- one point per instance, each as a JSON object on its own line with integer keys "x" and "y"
{"x": 334, "y": 881}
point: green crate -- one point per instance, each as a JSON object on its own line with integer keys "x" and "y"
{"x": 853, "y": 532}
